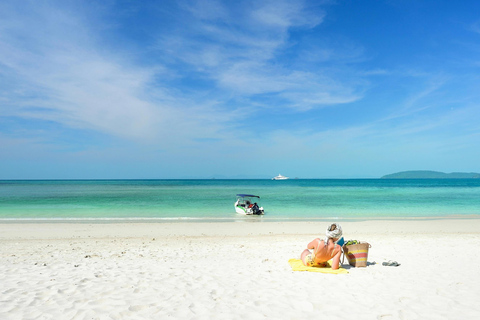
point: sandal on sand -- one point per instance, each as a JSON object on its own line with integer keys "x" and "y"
{"x": 391, "y": 263}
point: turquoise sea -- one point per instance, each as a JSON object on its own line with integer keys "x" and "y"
{"x": 212, "y": 200}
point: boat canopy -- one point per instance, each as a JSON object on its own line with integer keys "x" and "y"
{"x": 247, "y": 195}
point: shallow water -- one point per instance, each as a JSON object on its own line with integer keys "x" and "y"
{"x": 206, "y": 200}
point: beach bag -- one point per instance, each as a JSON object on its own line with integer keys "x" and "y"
{"x": 357, "y": 254}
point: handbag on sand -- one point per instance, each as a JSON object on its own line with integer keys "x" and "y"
{"x": 357, "y": 254}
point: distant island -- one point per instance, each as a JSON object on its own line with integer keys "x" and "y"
{"x": 425, "y": 174}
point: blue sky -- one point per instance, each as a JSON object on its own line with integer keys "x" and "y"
{"x": 238, "y": 89}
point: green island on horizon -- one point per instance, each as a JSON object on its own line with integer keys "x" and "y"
{"x": 426, "y": 174}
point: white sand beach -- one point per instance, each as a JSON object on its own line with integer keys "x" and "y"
{"x": 235, "y": 271}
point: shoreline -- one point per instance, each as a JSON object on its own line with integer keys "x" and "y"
{"x": 238, "y": 219}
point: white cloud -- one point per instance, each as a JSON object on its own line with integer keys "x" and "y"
{"x": 58, "y": 72}
{"x": 242, "y": 54}
{"x": 55, "y": 58}
{"x": 57, "y": 69}
{"x": 286, "y": 14}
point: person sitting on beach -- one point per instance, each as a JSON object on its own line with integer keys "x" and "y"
{"x": 324, "y": 250}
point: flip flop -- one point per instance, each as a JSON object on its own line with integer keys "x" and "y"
{"x": 391, "y": 263}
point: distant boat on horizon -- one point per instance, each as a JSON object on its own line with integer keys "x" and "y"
{"x": 280, "y": 177}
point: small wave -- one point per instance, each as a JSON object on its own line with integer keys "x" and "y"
{"x": 239, "y": 219}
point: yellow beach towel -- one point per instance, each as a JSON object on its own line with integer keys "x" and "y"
{"x": 297, "y": 265}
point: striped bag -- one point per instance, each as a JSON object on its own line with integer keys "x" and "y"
{"x": 357, "y": 254}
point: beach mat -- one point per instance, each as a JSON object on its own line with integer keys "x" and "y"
{"x": 297, "y": 265}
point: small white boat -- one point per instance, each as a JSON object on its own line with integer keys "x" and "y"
{"x": 280, "y": 177}
{"x": 246, "y": 204}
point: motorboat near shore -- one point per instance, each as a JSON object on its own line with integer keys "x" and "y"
{"x": 247, "y": 204}
{"x": 280, "y": 177}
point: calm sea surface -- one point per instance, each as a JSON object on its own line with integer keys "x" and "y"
{"x": 211, "y": 200}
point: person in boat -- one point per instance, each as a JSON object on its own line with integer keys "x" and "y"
{"x": 319, "y": 252}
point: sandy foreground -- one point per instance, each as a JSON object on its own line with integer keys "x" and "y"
{"x": 235, "y": 270}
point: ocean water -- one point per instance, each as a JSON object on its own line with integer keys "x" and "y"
{"x": 213, "y": 200}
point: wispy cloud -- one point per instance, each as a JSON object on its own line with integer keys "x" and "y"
{"x": 475, "y": 27}
{"x": 246, "y": 53}
{"x": 211, "y": 79}
{"x": 421, "y": 98}
{"x": 60, "y": 72}
{"x": 63, "y": 76}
